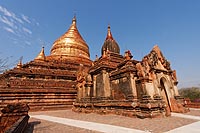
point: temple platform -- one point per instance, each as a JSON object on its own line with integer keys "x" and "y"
{"x": 47, "y": 122}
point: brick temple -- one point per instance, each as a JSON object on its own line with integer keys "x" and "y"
{"x": 113, "y": 83}
{"x": 48, "y": 82}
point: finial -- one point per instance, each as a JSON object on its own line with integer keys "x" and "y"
{"x": 74, "y": 19}
{"x": 96, "y": 58}
{"x": 108, "y": 26}
{"x": 19, "y": 65}
{"x": 109, "y": 34}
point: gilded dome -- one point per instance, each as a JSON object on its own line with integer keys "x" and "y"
{"x": 71, "y": 44}
{"x": 110, "y": 43}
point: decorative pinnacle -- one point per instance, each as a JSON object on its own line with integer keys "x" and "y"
{"x": 19, "y": 65}
{"x": 74, "y": 19}
{"x": 41, "y": 55}
{"x": 109, "y": 34}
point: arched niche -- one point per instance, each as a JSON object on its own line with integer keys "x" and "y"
{"x": 165, "y": 91}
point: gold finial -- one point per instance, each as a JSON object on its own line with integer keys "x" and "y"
{"x": 41, "y": 55}
{"x": 74, "y": 19}
{"x": 96, "y": 58}
{"x": 19, "y": 65}
{"x": 109, "y": 34}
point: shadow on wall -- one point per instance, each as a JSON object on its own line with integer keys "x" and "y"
{"x": 31, "y": 125}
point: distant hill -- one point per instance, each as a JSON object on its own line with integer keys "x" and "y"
{"x": 193, "y": 93}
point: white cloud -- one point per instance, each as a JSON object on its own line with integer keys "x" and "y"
{"x": 7, "y": 22}
{"x": 28, "y": 43}
{"x": 19, "y": 25}
{"x": 5, "y": 11}
{"x": 9, "y": 30}
{"x": 25, "y": 18}
{"x": 10, "y": 14}
{"x": 18, "y": 19}
{"x": 27, "y": 30}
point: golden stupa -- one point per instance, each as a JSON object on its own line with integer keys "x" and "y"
{"x": 41, "y": 55}
{"x": 71, "y": 44}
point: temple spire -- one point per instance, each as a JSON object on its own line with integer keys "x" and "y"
{"x": 110, "y": 44}
{"x": 109, "y": 34}
{"x": 41, "y": 55}
{"x": 74, "y": 20}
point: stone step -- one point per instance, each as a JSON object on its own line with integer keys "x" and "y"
{"x": 50, "y": 107}
{"x": 32, "y": 94}
{"x": 38, "y": 101}
{"x": 36, "y": 96}
{"x": 37, "y": 90}
{"x": 40, "y": 104}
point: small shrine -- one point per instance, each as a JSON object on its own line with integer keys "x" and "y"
{"x": 122, "y": 85}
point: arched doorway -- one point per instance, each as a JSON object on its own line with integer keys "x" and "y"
{"x": 164, "y": 93}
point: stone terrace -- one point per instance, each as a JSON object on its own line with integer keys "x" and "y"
{"x": 155, "y": 125}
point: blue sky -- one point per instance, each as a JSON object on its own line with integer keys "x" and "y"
{"x": 137, "y": 25}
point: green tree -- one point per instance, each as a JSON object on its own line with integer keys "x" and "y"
{"x": 193, "y": 93}
{"x": 6, "y": 63}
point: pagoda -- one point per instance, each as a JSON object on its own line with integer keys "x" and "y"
{"x": 48, "y": 82}
{"x": 112, "y": 83}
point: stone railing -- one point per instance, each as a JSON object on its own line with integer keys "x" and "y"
{"x": 19, "y": 126}
{"x": 14, "y": 118}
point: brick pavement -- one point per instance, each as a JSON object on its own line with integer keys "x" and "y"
{"x": 107, "y": 128}
{"x": 42, "y": 126}
{"x": 156, "y": 125}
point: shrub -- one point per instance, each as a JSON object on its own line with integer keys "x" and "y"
{"x": 193, "y": 93}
